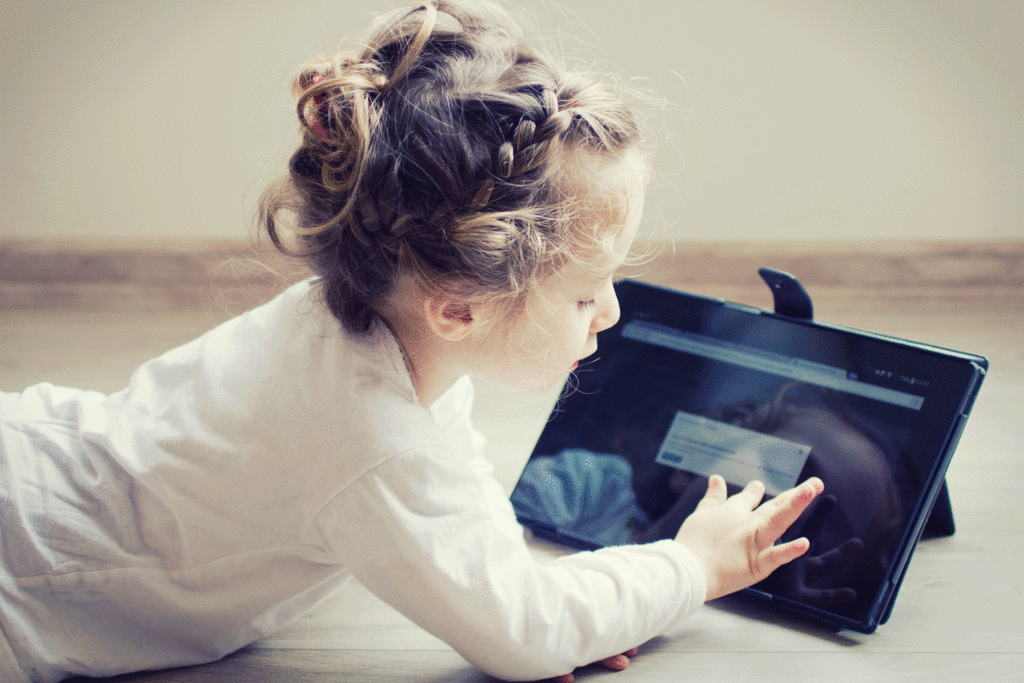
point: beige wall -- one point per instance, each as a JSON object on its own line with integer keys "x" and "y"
{"x": 792, "y": 119}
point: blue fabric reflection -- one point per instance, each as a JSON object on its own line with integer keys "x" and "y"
{"x": 581, "y": 494}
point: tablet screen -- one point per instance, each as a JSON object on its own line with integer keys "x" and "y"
{"x": 685, "y": 387}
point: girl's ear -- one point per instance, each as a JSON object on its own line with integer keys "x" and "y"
{"x": 450, "y": 320}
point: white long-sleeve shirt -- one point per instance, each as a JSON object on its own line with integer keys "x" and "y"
{"x": 241, "y": 478}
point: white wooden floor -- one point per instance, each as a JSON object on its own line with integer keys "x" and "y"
{"x": 959, "y": 617}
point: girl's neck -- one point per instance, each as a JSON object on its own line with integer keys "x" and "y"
{"x": 434, "y": 363}
{"x": 431, "y": 375}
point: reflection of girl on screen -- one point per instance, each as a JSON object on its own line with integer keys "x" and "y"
{"x": 845, "y": 451}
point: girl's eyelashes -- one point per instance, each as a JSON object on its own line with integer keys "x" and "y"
{"x": 584, "y": 305}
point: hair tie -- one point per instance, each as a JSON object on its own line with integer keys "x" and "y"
{"x": 321, "y": 108}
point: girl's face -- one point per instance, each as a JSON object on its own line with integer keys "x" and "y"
{"x": 559, "y": 326}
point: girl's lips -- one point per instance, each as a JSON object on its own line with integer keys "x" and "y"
{"x": 575, "y": 365}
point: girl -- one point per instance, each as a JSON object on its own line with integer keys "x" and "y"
{"x": 463, "y": 203}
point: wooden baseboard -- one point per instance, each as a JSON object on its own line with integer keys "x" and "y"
{"x": 41, "y": 274}
{"x": 106, "y": 275}
{"x": 876, "y": 265}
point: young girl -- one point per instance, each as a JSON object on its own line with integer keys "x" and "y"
{"x": 464, "y": 204}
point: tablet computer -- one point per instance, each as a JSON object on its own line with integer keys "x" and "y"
{"x": 686, "y": 386}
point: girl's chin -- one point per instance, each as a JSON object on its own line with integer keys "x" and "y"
{"x": 529, "y": 386}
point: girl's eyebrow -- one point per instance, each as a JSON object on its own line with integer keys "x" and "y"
{"x": 596, "y": 274}
{"x": 618, "y": 264}
{"x": 596, "y": 277}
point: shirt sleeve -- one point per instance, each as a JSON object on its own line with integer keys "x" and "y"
{"x": 427, "y": 535}
{"x": 452, "y": 413}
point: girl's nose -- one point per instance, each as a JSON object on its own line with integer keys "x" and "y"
{"x": 609, "y": 312}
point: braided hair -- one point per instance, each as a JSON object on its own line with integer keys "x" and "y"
{"x": 439, "y": 148}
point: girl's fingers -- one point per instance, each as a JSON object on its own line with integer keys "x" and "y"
{"x": 716, "y": 493}
{"x": 616, "y": 662}
{"x": 751, "y": 495}
{"x": 784, "y": 509}
{"x": 775, "y": 556}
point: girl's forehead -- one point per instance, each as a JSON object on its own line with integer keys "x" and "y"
{"x": 606, "y": 232}
{"x": 604, "y": 192}
{"x": 602, "y": 179}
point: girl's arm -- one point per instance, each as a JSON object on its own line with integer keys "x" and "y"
{"x": 423, "y": 534}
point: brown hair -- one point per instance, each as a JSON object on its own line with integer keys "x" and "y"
{"x": 438, "y": 147}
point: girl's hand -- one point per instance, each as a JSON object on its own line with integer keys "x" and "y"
{"x": 615, "y": 663}
{"x": 734, "y": 538}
